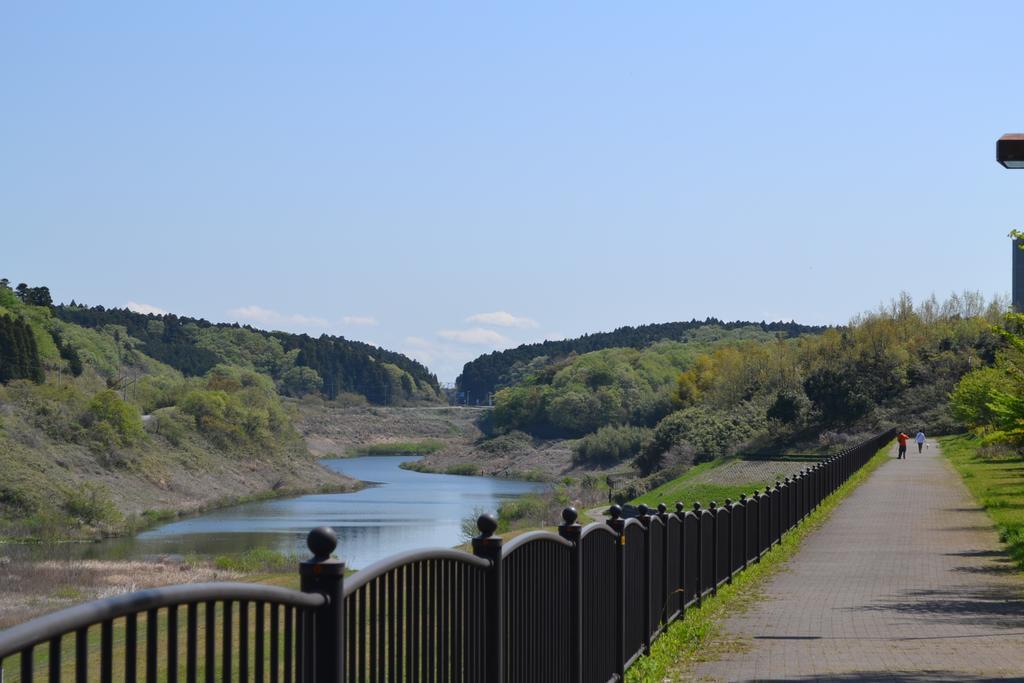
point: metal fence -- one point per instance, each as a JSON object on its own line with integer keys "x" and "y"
{"x": 577, "y": 606}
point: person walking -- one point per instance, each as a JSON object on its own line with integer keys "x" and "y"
{"x": 902, "y": 439}
{"x": 920, "y": 440}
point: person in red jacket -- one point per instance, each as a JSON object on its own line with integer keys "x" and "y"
{"x": 902, "y": 438}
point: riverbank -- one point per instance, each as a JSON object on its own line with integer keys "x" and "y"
{"x": 457, "y": 440}
{"x": 30, "y": 588}
{"x": 53, "y": 488}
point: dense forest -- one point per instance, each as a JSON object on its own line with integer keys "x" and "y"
{"x": 300, "y": 363}
{"x": 492, "y": 371}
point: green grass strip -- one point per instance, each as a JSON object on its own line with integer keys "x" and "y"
{"x": 995, "y": 477}
{"x": 422, "y": 447}
{"x": 698, "y": 637}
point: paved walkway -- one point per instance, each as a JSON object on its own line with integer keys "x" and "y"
{"x": 905, "y": 582}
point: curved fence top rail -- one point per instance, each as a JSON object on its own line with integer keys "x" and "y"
{"x": 594, "y": 527}
{"x": 530, "y": 537}
{"x": 71, "y": 619}
{"x": 381, "y": 567}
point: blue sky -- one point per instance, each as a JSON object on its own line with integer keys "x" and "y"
{"x": 446, "y": 179}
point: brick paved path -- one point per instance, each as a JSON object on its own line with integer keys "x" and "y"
{"x": 905, "y": 582}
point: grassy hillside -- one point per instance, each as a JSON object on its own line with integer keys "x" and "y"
{"x": 673, "y": 404}
{"x": 98, "y": 437}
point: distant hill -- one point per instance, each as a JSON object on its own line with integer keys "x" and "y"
{"x": 492, "y": 371}
{"x": 194, "y": 346}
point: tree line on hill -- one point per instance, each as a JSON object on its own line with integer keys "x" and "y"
{"x": 19, "y": 354}
{"x": 327, "y": 364}
{"x": 484, "y": 375}
{"x": 673, "y": 403}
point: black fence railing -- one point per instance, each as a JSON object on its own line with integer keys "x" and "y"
{"x": 578, "y": 606}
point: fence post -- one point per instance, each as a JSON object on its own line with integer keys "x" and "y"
{"x": 663, "y": 514}
{"x": 800, "y": 482}
{"x": 618, "y": 524}
{"x": 732, "y": 540}
{"x": 681, "y": 514}
{"x": 488, "y": 546}
{"x": 570, "y": 531}
{"x": 746, "y": 529}
{"x": 788, "y": 485}
{"x": 645, "y": 520}
{"x": 700, "y": 552}
{"x": 713, "y": 506}
{"x": 325, "y": 575}
{"x": 807, "y": 491}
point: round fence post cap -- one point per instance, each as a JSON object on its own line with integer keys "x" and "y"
{"x": 487, "y": 524}
{"x": 743, "y": 497}
{"x": 322, "y": 541}
{"x": 712, "y": 505}
{"x": 569, "y": 515}
{"x": 662, "y": 508}
{"x": 679, "y": 507}
{"x": 615, "y": 511}
{"x": 696, "y": 507}
{"x": 728, "y": 502}
{"x": 643, "y": 509}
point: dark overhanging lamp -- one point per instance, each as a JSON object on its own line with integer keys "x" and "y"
{"x": 1010, "y": 150}
{"x": 1010, "y": 153}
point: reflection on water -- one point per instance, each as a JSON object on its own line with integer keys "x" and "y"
{"x": 404, "y": 511}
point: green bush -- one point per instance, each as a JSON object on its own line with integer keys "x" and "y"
{"x": 528, "y": 507}
{"x": 173, "y": 424}
{"x": 611, "y": 444}
{"x": 971, "y": 399}
{"x": 238, "y": 408}
{"x": 258, "y": 561}
{"x": 90, "y": 502}
{"x": 709, "y": 432}
{"x": 111, "y": 421}
{"x": 422, "y": 447}
{"x": 466, "y": 469}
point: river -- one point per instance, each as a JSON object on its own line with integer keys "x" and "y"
{"x": 401, "y": 510}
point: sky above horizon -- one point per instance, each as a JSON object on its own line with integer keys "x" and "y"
{"x": 446, "y": 179}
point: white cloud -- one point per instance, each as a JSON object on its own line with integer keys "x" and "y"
{"x": 475, "y": 335}
{"x": 144, "y": 308}
{"x": 502, "y": 319}
{"x": 269, "y": 317}
{"x": 359, "y": 321}
{"x": 418, "y": 342}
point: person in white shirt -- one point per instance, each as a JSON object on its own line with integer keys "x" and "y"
{"x": 920, "y": 440}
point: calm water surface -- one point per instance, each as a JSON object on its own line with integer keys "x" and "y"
{"x": 403, "y": 511}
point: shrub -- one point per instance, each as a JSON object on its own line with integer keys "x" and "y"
{"x": 611, "y": 444}
{"x": 971, "y": 399}
{"x": 258, "y": 561}
{"x": 710, "y": 433}
{"x": 90, "y": 502}
{"x": 528, "y": 507}
{"x": 466, "y": 469}
{"x": 112, "y": 421}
